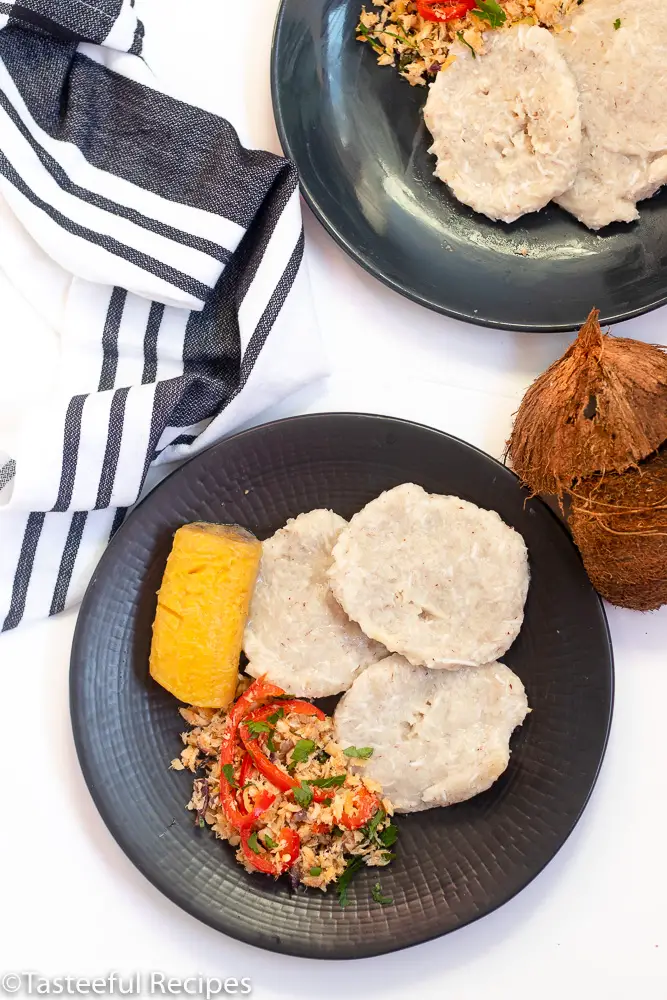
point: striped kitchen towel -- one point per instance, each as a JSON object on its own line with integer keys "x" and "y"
{"x": 167, "y": 257}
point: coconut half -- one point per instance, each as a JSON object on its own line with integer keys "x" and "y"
{"x": 600, "y": 408}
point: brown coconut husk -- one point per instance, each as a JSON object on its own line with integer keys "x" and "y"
{"x": 619, "y": 522}
{"x": 600, "y": 408}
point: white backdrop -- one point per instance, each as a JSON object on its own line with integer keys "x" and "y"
{"x": 593, "y": 924}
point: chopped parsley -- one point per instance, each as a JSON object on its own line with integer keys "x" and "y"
{"x": 303, "y": 794}
{"x": 362, "y": 752}
{"x": 255, "y": 728}
{"x": 459, "y": 35}
{"x": 280, "y": 714}
{"x": 270, "y": 842}
{"x": 343, "y": 883}
{"x": 314, "y": 872}
{"x": 228, "y": 771}
{"x": 332, "y": 782}
{"x": 370, "y": 830}
{"x": 253, "y": 843}
{"x": 491, "y": 11}
{"x": 378, "y": 897}
{"x": 617, "y": 24}
{"x": 389, "y": 835}
{"x": 301, "y": 752}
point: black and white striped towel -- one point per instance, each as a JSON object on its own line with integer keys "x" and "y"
{"x": 168, "y": 258}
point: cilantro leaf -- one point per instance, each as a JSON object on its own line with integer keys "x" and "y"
{"x": 332, "y": 782}
{"x": 280, "y": 714}
{"x": 343, "y": 883}
{"x": 270, "y": 743}
{"x": 253, "y": 843}
{"x": 303, "y": 794}
{"x": 617, "y": 24}
{"x": 255, "y": 728}
{"x": 322, "y": 757}
{"x": 228, "y": 771}
{"x": 202, "y": 822}
{"x": 314, "y": 872}
{"x": 270, "y": 842}
{"x": 301, "y": 752}
{"x": 370, "y": 829}
{"x": 388, "y": 836}
{"x": 327, "y": 802}
{"x": 362, "y": 752}
{"x": 491, "y": 11}
{"x": 388, "y": 856}
{"x": 378, "y": 897}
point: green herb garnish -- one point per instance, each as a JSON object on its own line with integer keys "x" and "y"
{"x": 322, "y": 757}
{"x": 270, "y": 743}
{"x": 228, "y": 771}
{"x": 343, "y": 884}
{"x": 270, "y": 842}
{"x": 314, "y": 872}
{"x": 202, "y": 822}
{"x": 280, "y": 714}
{"x": 332, "y": 782}
{"x": 365, "y": 33}
{"x": 389, "y": 835}
{"x": 301, "y": 752}
{"x": 491, "y": 11}
{"x": 369, "y": 831}
{"x": 255, "y": 728}
{"x": 303, "y": 794}
{"x": 362, "y": 752}
{"x": 379, "y": 898}
{"x": 253, "y": 843}
{"x": 327, "y": 802}
{"x": 459, "y": 35}
{"x": 617, "y": 24}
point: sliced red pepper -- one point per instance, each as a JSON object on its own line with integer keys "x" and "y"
{"x": 364, "y": 807}
{"x": 444, "y": 10}
{"x": 247, "y": 769}
{"x": 277, "y": 775}
{"x": 260, "y": 690}
{"x": 264, "y": 862}
{"x": 321, "y": 827}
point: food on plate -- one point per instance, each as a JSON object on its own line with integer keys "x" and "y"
{"x": 202, "y": 608}
{"x": 536, "y": 100}
{"x": 297, "y": 634}
{"x": 617, "y": 50}
{"x": 278, "y": 787}
{"x": 592, "y": 430}
{"x": 439, "y": 736}
{"x": 416, "y": 36}
{"x": 506, "y": 127}
{"x": 435, "y": 578}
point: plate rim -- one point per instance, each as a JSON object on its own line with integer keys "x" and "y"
{"x": 80, "y": 732}
{"x": 365, "y": 260}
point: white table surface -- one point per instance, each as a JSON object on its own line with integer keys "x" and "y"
{"x": 593, "y": 925}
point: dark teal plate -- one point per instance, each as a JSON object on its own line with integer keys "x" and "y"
{"x": 356, "y": 133}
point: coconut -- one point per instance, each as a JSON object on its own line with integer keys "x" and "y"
{"x": 619, "y": 522}
{"x": 600, "y": 408}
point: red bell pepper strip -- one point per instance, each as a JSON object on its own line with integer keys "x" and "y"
{"x": 277, "y": 775}
{"x": 444, "y": 10}
{"x": 364, "y": 807}
{"x": 264, "y": 862}
{"x": 260, "y": 690}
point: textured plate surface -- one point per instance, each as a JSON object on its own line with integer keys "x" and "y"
{"x": 454, "y": 864}
{"x": 356, "y": 133}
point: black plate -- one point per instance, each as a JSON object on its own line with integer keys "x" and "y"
{"x": 455, "y": 864}
{"x": 356, "y": 133}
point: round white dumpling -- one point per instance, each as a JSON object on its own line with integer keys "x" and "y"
{"x": 438, "y": 737}
{"x": 506, "y": 125}
{"x": 435, "y": 578}
{"x": 297, "y": 634}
